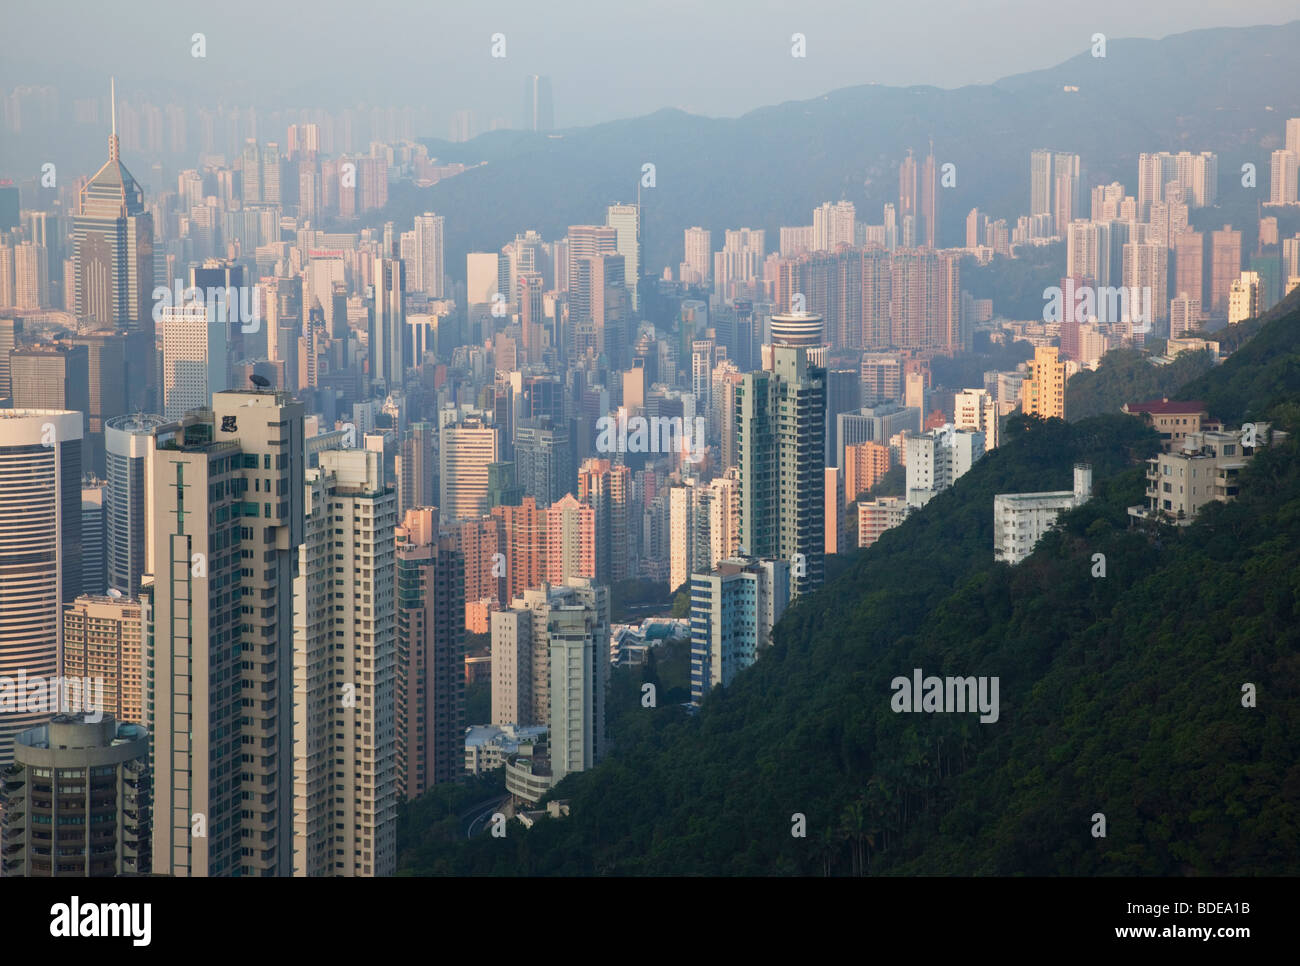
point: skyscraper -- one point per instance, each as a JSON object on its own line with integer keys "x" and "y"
{"x": 224, "y": 763}
{"x": 113, "y": 241}
{"x": 930, "y": 199}
{"x": 1282, "y": 182}
{"x": 607, "y": 488}
{"x": 603, "y": 323}
{"x": 699, "y": 254}
{"x": 429, "y": 258}
{"x": 103, "y": 638}
{"x": 430, "y": 656}
{"x": 417, "y": 474}
{"x": 544, "y": 460}
{"x": 1043, "y": 392}
{"x": 94, "y": 572}
{"x": 907, "y": 201}
{"x": 586, "y": 241}
{"x": 577, "y": 632}
{"x": 689, "y": 539}
{"x": 31, "y": 276}
{"x": 550, "y": 665}
{"x": 626, "y": 221}
{"x": 781, "y": 423}
{"x": 1225, "y": 266}
{"x": 194, "y": 357}
{"x": 733, "y": 610}
{"x": 107, "y": 364}
{"x": 53, "y": 376}
{"x": 1146, "y": 277}
{"x": 355, "y": 753}
{"x": 570, "y": 541}
{"x": 532, "y": 322}
{"x": 833, "y": 225}
{"x": 466, "y": 448}
{"x": 11, "y": 336}
{"x": 251, "y": 172}
{"x": 1055, "y": 178}
{"x": 40, "y": 548}
{"x": 1189, "y": 265}
{"x": 231, "y": 309}
{"x": 539, "y": 110}
{"x": 127, "y": 441}
{"x": 387, "y": 365}
{"x": 1067, "y": 172}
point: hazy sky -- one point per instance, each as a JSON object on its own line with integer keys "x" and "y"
{"x": 607, "y": 58}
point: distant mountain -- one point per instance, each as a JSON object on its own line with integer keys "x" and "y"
{"x": 1224, "y": 90}
{"x": 1120, "y": 691}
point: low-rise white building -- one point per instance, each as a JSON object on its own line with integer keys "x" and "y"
{"x": 1021, "y": 519}
{"x": 487, "y": 747}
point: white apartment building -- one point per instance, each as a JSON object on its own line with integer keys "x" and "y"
{"x": 833, "y": 224}
{"x": 1021, "y": 519}
{"x": 936, "y": 459}
{"x": 976, "y": 409}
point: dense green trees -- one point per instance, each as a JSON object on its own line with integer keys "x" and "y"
{"x": 1128, "y": 375}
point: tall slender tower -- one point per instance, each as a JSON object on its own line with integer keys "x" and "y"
{"x": 220, "y": 645}
{"x": 360, "y": 656}
{"x": 780, "y": 432}
{"x": 113, "y": 263}
{"x": 126, "y": 443}
{"x": 930, "y": 198}
{"x": 430, "y": 254}
{"x": 387, "y": 364}
{"x": 539, "y": 110}
{"x": 626, "y": 219}
{"x": 430, "y": 655}
{"x": 907, "y": 187}
{"x": 40, "y": 549}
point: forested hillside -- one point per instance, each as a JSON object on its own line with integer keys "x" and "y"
{"x": 1120, "y": 694}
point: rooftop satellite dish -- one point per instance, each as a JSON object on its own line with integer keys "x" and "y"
{"x": 261, "y": 382}
{"x": 114, "y": 592}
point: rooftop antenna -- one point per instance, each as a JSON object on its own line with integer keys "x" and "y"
{"x": 112, "y": 100}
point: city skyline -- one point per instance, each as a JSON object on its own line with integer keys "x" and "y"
{"x": 849, "y": 477}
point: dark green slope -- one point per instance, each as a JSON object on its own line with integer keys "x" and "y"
{"x": 1118, "y": 694}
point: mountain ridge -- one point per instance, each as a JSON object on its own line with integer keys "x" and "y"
{"x": 772, "y": 165}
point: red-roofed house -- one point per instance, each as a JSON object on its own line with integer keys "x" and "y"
{"x": 1173, "y": 420}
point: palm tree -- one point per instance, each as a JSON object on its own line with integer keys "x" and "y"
{"x": 853, "y": 826}
{"x": 828, "y": 843}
